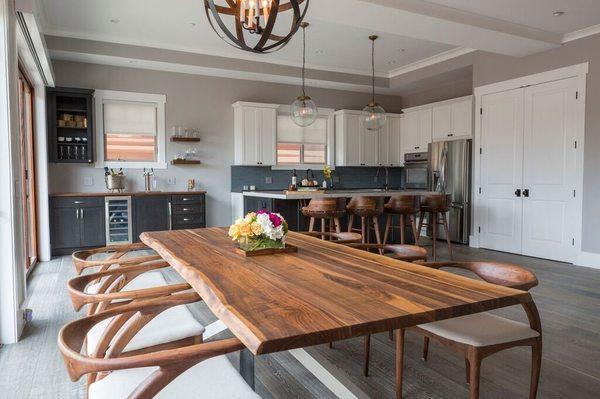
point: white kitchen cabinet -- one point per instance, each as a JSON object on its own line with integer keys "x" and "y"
{"x": 452, "y": 119}
{"x": 389, "y": 142}
{"x": 255, "y": 133}
{"x": 347, "y": 139}
{"x": 416, "y": 131}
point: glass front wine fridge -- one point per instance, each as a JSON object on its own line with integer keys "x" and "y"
{"x": 118, "y": 220}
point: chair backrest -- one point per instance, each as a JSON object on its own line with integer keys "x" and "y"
{"x": 505, "y": 274}
{"x": 327, "y": 204}
{"x": 366, "y": 203}
{"x": 171, "y": 362}
{"x": 115, "y": 254}
{"x": 339, "y": 238}
{"x": 437, "y": 202}
{"x": 404, "y": 204}
{"x": 408, "y": 253}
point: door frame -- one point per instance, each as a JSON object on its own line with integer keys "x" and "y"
{"x": 578, "y": 71}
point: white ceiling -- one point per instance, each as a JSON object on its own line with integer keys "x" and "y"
{"x": 537, "y": 14}
{"x": 159, "y": 23}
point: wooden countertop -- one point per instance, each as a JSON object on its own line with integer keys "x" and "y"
{"x": 325, "y": 292}
{"x": 348, "y": 193}
{"x": 127, "y": 194}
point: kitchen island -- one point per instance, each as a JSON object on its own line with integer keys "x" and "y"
{"x": 289, "y": 203}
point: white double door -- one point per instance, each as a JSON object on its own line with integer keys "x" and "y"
{"x": 528, "y": 170}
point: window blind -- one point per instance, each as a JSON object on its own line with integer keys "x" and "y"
{"x": 131, "y": 118}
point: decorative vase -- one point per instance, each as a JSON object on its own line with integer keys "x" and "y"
{"x": 252, "y": 244}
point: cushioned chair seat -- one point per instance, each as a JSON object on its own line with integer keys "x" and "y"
{"x": 214, "y": 378}
{"x": 480, "y": 329}
{"x": 145, "y": 280}
{"x": 173, "y": 324}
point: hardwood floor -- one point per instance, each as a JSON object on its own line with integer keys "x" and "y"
{"x": 568, "y": 298}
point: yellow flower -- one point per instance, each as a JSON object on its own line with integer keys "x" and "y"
{"x": 239, "y": 222}
{"x": 246, "y": 230}
{"x": 249, "y": 217}
{"x": 256, "y": 229}
{"x": 234, "y": 232}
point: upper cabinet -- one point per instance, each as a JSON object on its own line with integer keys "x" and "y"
{"x": 357, "y": 146}
{"x": 453, "y": 119}
{"x": 416, "y": 131}
{"x": 255, "y": 133}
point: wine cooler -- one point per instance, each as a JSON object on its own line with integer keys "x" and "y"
{"x": 118, "y": 220}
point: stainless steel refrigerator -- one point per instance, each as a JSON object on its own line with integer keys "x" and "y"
{"x": 450, "y": 173}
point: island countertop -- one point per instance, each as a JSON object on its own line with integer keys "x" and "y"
{"x": 300, "y": 195}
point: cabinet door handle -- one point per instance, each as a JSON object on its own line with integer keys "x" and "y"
{"x": 170, "y": 216}
{"x": 78, "y": 202}
{"x": 526, "y": 192}
{"x": 450, "y": 135}
{"x": 187, "y": 219}
{"x": 416, "y": 148}
{"x": 518, "y": 192}
{"x": 186, "y": 209}
{"x": 187, "y": 199}
{"x": 77, "y": 214}
{"x": 82, "y": 215}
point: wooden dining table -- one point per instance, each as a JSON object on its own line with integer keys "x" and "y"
{"x": 322, "y": 293}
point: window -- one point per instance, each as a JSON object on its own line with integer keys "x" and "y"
{"x": 301, "y": 145}
{"x": 130, "y": 129}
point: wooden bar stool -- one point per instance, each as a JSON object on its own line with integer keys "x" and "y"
{"x": 338, "y": 238}
{"x": 328, "y": 210}
{"x": 368, "y": 209}
{"x": 407, "y": 206}
{"x": 436, "y": 206}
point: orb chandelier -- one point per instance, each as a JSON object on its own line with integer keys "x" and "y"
{"x": 304, "y": 110}
{"x": 253, "y": 22}
{"x": 373, "y": 115}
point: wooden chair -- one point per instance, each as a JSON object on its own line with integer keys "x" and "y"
{"x": 368, "y": 209}
{"x": 338, "y": 238}
{"x": 174, "y": 326}
{"x": 436, "y": 206}
{"x": 407, "y": 207}
{"x": 480, "y": 335}
{"x": 180, "y": 372}
{"x": 115, "y": 254}
{"x": 327, "y": 210}
{"x": 407, "y": 253}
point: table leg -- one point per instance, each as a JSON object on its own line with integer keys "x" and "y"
{"x": 247, "y": 367}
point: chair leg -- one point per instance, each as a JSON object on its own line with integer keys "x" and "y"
{"x": 432, "y": 220}
{"x": 425, "y": 348}
{"x": 363, "y": 229}
{"x": 414, "y": 227}
{"x": 311, "y": 224}
{"x": 377, "y": 232}
{"x": 338, "y": 226}
{"x": 447, "y": 231}
{"x": 350, "y": 223}
{"x": 467, "y": 368}
{"x": 536, "y": 365}
{"x": 331, "y": 345}
{"x": 402, "y": 229}
{"x": 474, "y": 374}
{"x": 391, "y": 335}
{"x": 399, "y": 361}
{"x": 323, "y": 227}
{"x": 421, "y": 219}
{"x": 388, "y": 226}
{"x": 367, "y": 355}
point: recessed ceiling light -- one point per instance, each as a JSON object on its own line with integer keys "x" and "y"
{"x": 319, "y": 51}
{"x": 402, "y": 50}
{"x": 558, "y": 13}
{"x": 115, "y": 20}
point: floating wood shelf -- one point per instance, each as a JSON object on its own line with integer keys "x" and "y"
{"x": 185, "y": 162}
{"x": 185, "y": 139}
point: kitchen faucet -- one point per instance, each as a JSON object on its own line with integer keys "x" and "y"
{"x": 387, "y": 175}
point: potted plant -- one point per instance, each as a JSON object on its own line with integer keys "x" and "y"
{"x": 259, "y": 231}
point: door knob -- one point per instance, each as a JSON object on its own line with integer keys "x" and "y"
{"x": 518, "y": 192}
{"x": 526, "y": 192}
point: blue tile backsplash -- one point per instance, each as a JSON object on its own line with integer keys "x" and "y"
{"x": 265, "y": 178}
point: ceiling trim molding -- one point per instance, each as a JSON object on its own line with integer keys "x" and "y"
{"x": 54, "y": 31}
{"x": 581, "y": 33}
{"x": 441, "y": 57}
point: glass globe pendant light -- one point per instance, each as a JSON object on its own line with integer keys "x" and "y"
{"x": 373, "y": 115}
{"x": 304, "y": 110}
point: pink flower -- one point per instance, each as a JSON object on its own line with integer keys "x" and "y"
{"x": 276, "y": 220}
{"x": 262, "y": 211}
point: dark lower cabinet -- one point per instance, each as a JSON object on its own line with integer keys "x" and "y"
{"x": 150, "y": 213}
{"x": 77, "y": 222}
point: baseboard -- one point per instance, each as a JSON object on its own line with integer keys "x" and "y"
{"x": 588, "y": 259}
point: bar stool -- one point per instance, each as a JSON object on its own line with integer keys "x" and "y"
{"x": 436, "y": 206}
{"x": 326, "y": 209}
{"x": 407, "y": 206}
{"x": 368, "y": 209}
{"x": 338, "y": 238}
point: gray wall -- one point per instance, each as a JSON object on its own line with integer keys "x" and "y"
{"x": 194, "y": 101}
{"x": 491, "y": 68}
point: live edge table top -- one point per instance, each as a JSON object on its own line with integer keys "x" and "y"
{"x": 325, "y": 292}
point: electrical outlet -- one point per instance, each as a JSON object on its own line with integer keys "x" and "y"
{"x": 88, "y": 181}
{"x": 268, "y": 180}
{"x": 171, "y": 181}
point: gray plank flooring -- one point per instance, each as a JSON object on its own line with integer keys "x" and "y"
{"x": 568, "y": 298}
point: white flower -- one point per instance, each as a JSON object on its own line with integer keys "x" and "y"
{"x": 273, "y": 233}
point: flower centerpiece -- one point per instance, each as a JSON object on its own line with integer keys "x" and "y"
{"x": 259, "y": 230}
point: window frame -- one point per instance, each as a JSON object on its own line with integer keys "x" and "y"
{"x": 326, "y": 113}
{"x": 161, "y": 143}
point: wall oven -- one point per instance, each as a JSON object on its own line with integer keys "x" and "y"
{"x": 416, "y": 174}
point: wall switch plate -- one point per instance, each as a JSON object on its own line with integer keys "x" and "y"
{"x": 268, "y": 180}
{"x": 88, "y": 181}
{"x": 171, "y": 181}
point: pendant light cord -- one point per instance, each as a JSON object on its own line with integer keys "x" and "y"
{"x": 303, "y": 59}
{"x": 373, "y": 70}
